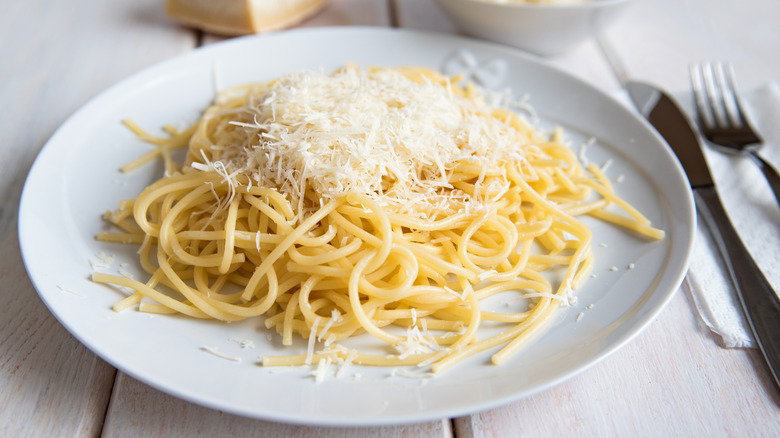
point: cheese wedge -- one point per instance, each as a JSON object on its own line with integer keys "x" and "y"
{"x": 240, "y": 17}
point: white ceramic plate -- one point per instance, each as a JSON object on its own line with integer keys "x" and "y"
{"x": 75, "y": 179}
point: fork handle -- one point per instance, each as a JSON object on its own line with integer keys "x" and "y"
{"x": 770, "y": 173}
{"x": 759, "y": 301}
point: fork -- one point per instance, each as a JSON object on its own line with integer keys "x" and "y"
{"x": 722, "y": 120}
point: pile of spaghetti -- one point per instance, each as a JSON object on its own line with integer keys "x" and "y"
{"x": 382, "y": 202}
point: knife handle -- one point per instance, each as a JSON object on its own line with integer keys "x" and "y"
{"x": 770, "y": 173}
{"x": 759, "y": 301}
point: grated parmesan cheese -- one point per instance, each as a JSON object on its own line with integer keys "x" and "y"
{"x": 345, "y": 365}
{"x": 125, "y": 273}
{"x": 374, "y": 132}
{"x": 244, "y": 344}
{"x": 312, "y": 339}
{"x": 70, "y": 291}
{"x": 214, "y": 352}
{"x": 321, "y": 371}
{"x": 486, "y": 274}
{"x": 417, "y": 342}
{"x": 335, "y": 316}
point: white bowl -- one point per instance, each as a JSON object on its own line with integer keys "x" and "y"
{"x": 544, "y": 29}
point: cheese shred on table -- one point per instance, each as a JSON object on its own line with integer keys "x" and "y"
{"x": 381, "y": 203}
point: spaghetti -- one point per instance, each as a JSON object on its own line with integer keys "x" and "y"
{"x": 386, "y": 202}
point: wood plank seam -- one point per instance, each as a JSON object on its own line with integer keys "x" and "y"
{"x": 392, "y": 11}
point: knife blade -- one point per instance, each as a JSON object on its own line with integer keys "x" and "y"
{"x": 759, "y": 301}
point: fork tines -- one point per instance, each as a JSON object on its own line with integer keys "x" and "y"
{"x": 714, "y": 89}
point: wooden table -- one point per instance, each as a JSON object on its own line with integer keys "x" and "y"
{"x": 672, "y": 380}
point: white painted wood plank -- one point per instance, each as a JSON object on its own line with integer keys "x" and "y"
{"x": 657, "y": 40}
{"x": 50, "y": 385}
{"x": 56, "y": 55}
{"x": 672, "y": 380}
{"x": 138, "y": 410}
{"x": 585, "y": 62}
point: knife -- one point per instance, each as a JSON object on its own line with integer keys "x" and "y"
{"x": 759, "y": 301}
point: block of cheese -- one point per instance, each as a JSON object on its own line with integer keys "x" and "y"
{"x": 239, "y": 17}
